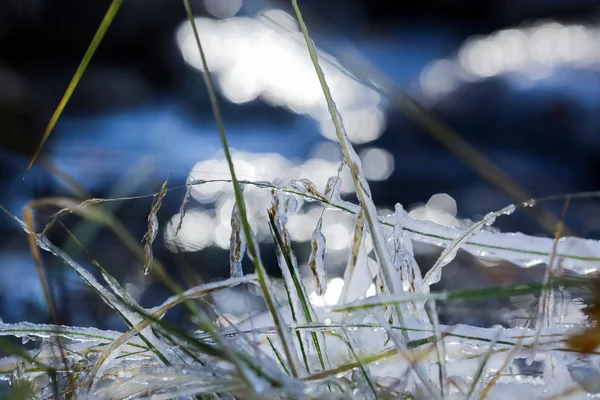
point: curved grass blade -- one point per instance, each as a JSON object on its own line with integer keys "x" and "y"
{"x": 150, "y": 235}
{"x": 129, "y": 315}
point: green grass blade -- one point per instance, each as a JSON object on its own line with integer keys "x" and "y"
{"x": 87, "y": 57}
{"x": 360, "y": 183}
{"x": 282, "y": 331}
{"x": 361, "y": 366}
{"x": 474, "y": 294}
{"x": 278, "y": 356}
{"x": 300, "y": 290}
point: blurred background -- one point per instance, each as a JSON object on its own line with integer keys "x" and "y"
{"x": 456, "y": 108}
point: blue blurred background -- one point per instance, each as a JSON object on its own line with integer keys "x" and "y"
{"x": 518, "y": 80}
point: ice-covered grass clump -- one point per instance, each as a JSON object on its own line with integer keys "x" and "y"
{"x": 346, "y": 337}
{"x": 375, "y": 333}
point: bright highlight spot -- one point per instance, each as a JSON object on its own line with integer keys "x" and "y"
{"x": 264, "y": 57}
{"x": 378, "y": 164}
{"x": 331, "y": 296}
{"x": 195, "y": 234}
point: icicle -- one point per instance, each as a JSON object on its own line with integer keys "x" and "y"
{"x": 279, "y": 213}
{"x": 316, "y": 261}
{"x": 357, "y": 276}
{"x": 285, "y": 204}
{"x": 237, "y": 242}
{"x": 557, "y": 378}
{"x": 332, "y": 190}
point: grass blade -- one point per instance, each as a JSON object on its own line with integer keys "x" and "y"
{"x": 87, "y": 57}
{"x": 282, "y": 331}
{"x": 360, "y": 183}
{"x": 150, "y": 235}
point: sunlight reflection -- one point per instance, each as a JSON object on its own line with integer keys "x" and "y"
{"x": 441, "y": 209}
{"x": 265, "y": 57}
{"x": 378, "y": 164}
{"x": 532, "y": 50}
{"x": 331, "y": 296}
{"x": 202, "y": 228}
{"x": 195, "y": 234}
{"x": 223, "y": 8}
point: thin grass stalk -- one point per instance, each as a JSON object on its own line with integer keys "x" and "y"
{"x": 110, "y": 15}
{"x": 261, "y": 272}
{"x": 361, "y": 367}
{"x": 131, "y": 317}
{"x": 420, "y": 231}
{"x": 278, "y": 356}
{"x": 546, "y": 305}
{"x": 35, "y": 252}
{"x": 479, "y": 375}
{"x": 414, "y": 361}
{"x": 360, "y": 183}
{"x": 440, "y": 347}
{"x": 304, "y": 301}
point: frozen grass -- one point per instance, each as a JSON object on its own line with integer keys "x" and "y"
{"x": 388, "y": 345}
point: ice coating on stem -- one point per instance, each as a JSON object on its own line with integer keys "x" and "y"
{"x": 183, "y": 208}
{"x": 279, "y": 212}
{"x": 578, "y": 255}
{"x": 79, "y": 334}
{"x": 435, "y": 273}
{"x": 407, "y": 267}
{"x": 237, "y": 242}
{"x": 310, "y": 193}
{"x": 201, "y": 290}
{"x": 316, "y": 262}
{"x": 129, "y": 315}
{"x": 357, "y": 276}
{"x": 332, "y": 190}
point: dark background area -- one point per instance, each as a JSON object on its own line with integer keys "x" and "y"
{"x": 141, "y": 104}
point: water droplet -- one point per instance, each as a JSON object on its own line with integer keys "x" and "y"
{"x": 509, "y": 209}
{"x": 530, "y": 203}
{"x": 489, "y": 218}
